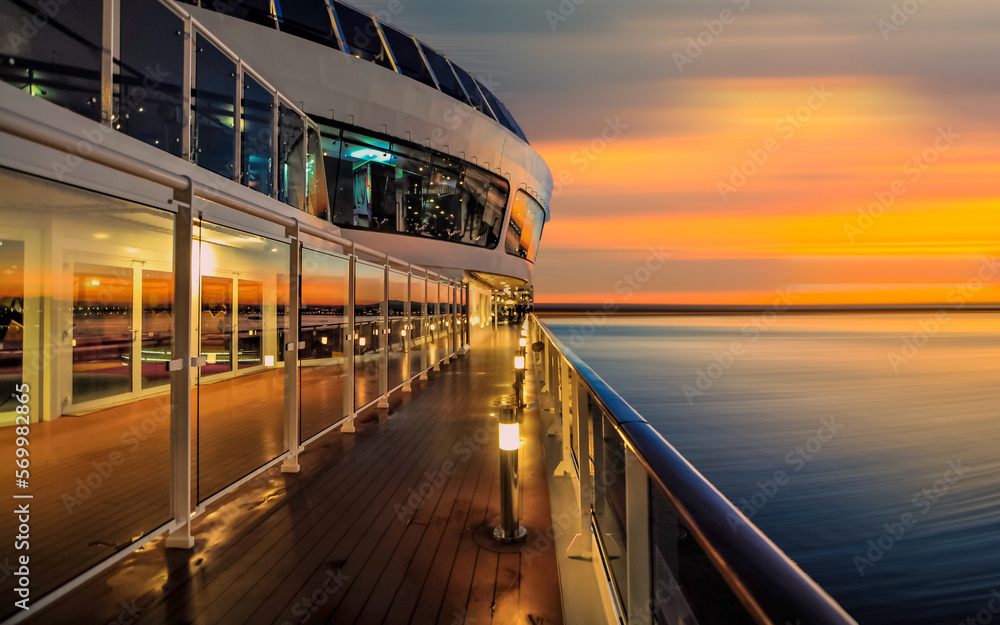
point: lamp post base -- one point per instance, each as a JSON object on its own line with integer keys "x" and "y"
{"x": 519, "y": 534}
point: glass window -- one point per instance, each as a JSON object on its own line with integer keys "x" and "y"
{"x": 258, "y": 136}
{"x": 309, "y": 19}
{"x": 102, "y": 331}
{"x": 361, "y": 34}
{"x": 291, "y": 168}
{"x": 151, "y": 73}
{"x": 214, "y": 110}
{"x": 445, "y": 77}
{"x": 366, "y": 182}
{"x": 496, "y": 208}
{"x": 525, "y": 229}
{"x": 408, "y": 59}
{"x": 255, "y": 11}
{"x": 61, "y": 61}
{"x": 513, "y": 122}
{"x": 471, "y": 88}
{"x": 442, "y": 204}
{"x": 498, "y": 111}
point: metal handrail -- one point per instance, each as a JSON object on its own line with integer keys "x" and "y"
{"x": 768, "y": 583}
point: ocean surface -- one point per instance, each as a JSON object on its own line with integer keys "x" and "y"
{"x": 909, "y": 405}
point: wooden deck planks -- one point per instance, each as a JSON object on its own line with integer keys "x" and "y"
{"x": 340, "y": 542}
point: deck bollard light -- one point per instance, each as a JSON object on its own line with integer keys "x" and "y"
{"x": 361, "y": 341}
{"x": 510, "y": 529}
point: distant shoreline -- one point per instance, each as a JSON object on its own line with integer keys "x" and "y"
{"x": 651, "y": 309}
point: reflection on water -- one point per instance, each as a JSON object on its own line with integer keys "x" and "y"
{"x": 885, "y": 428}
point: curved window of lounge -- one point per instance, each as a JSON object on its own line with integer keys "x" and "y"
{"x": 309, "y": 19}
{"x": 361, "y": 35}
{"x": 379, "y": 185}
{"x": 407, "y": 56}
{"x": 254, "y": 11}
{"x": 444, "y": 74}
{"x": 525, "y": 228}
{"x": 470, "y": 88}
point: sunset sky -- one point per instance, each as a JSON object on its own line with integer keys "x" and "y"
{"x": 848, "y": 150}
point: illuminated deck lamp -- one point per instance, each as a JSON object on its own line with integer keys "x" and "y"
{"x": 510, "y": 529}
{"x": 361, "y": 341}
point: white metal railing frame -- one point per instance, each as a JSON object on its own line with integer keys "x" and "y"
{"x": 185, "y": 191}
{"x": 770, "y": 586}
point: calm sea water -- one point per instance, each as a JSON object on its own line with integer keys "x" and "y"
{"x": 911, "y": 459}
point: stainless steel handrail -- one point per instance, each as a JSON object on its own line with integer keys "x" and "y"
{"x": 771, "y": 586}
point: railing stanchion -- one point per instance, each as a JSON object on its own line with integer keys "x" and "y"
{"x": 291, "y": 349}
{"x": 180, "y": 373}
{"x": 384, "y": 342}
{"x": 350, "y": 342}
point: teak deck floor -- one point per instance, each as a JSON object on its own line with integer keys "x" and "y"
{"x": 380, "y": 526}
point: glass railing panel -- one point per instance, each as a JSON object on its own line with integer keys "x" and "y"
{"x": 214, "y": 109}
{"x": 322, "y": 362}
{"x": 104, "y": 263}
{"x": 59, "y": 61}
{"x": 368, "y": 346}
{"x": 399, "y": 364}
{"x": 254, "y": 11}
{"x": 685, "y": 585}
{"x": 609, "y": 495}
{"x": 151, "y": 75}
{"x": 291, "y": 158}
{"x": 243, "y": 285}
{"x": 258, "y": 136}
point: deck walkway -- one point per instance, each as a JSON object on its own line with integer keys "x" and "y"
{"x": 381, "y": 526}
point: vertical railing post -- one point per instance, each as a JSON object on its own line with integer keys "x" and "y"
{"x": 109, "y": 32}
{"x": 406, "y": 338}
{"x": 638, "y": 547}
{"x": 180, "y": 373}
{"x": 424, "y": 334}
{"x": 455, "y": 328}
{"x": 351, "y": 341}
{"x": 383, "y": 330}
{"x": 581, "y": 545}
{"x": 291, "y": 347}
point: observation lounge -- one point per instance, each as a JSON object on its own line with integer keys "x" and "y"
{"x": 255, "y": 260}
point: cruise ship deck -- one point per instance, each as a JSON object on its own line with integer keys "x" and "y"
{"x": 384, "y": 525}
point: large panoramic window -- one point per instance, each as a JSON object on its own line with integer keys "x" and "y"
{"x": 525, "y": 229}
{"x": 255, "y": 11}
{"x": 309, "y": 19}
{"x": 408, "y": 59}
{"x": 445, "y": 77}
{"x": 361, "y": 34}
{"x": 470, "y": 88}
{"x": 151, "y": 73}
{"x": 59, "y": 61}
{"x": 215, "y": 110}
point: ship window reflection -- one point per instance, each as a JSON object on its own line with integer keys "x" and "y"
{"x": 445, "y": 77}
{"x": 525, "y": 229}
